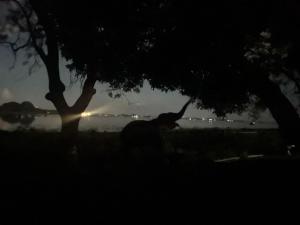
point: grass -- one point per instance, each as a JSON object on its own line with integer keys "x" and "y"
{"x": 40, "y": 182}
{"x": 208, "y": 143}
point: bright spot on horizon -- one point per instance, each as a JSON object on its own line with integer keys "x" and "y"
{"x": 86, "y": 114}
{"x": 135, "y": 116}
{"x": 96, "y": 111}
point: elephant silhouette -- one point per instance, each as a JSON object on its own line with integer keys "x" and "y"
{"x": 142, "y": 134}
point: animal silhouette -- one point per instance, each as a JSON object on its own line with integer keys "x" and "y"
{"x": 147, "y": 134}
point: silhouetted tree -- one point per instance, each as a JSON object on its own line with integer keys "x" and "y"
{"x": 75, "y": 31}
{"x": 223, "y": 55}
{"x": 37, "y": 24}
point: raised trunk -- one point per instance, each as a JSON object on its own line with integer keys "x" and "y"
{"x": 179, "y": 115}
{"x": 172, "y": 117}
{"x": 281, "y": 109}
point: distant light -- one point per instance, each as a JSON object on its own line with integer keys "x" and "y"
{"x": 135, "y": 116}
{"x": 86, "y": 114}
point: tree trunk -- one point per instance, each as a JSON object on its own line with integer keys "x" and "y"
{"x": 69, "y": 131}
{"x": 70, "y": 116}
{"x": 70, "y": 124}
{"x": 281, "y": 109}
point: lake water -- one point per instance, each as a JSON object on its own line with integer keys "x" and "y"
{"x": 113, "y": 124}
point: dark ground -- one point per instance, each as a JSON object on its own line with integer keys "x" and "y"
{"x": 40, "y": 184}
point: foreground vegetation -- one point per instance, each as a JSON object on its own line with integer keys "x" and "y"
{"x": 44, "y": 184}
{"x": 205, "y": 143}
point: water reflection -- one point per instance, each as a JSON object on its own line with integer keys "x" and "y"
{"x": 23, "y": 120}
{"x": 15, "y": 115}
{"x": 115, "y": 123}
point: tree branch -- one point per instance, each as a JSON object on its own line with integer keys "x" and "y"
{"x": 39, "y": 50}
{"x": 13, "y": 45}
{"x": 24, "y": 45}
{"x": 87, "y": 93}
{"x": 52, "y": 58}
{"x": 34, "y": 65}
{"x": 59, "y": 102}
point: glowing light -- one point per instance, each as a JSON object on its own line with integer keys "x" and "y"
{"x": 96, "y": 111}
{"x": 135, "y": 116}
{"x": 86, "y": 114}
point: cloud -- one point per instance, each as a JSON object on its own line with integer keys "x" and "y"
{"x": 6, "y": 95}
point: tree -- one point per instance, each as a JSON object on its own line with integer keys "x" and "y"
{"x": 51, "y": 30}
{"x": 37, "y": 24}
{"x": 223, "y": 55}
